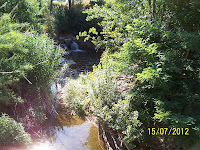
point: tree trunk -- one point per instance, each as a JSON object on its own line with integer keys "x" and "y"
{"x": 70, "y": 3}
{"x": 154, "y": 8}
{"x": 51, "y": 5}
{"x": 150, "y": 7}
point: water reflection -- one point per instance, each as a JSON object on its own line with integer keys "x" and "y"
{"x": 69, "y": 132}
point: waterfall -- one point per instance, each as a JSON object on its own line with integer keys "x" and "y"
{"x": 74, "y": 46}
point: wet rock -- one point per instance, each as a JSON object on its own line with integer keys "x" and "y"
{"x": 68, "y": 41}
{"x": 71, "y": 64}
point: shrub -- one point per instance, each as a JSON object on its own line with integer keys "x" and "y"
{"x": 164, "y": 62}
{"x": 28, "y": 62}
{"x": 22, "y": 10}
{"x": 12, "y": 132}
{"x": 97, "y": 93}
{"x": 30, "y": 57}
{"x": 167, "y": 82}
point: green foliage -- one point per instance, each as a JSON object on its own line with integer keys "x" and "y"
{"x": 162, "y": 54}
{"x": 42, "y": 59}
{"x": 26, "y": 55}
{"x": 28, "y": 62}
{"x": 185, "y": 14}
{"x": 21, "y": 10}
{"x": 12, "y": 132}
{"x": 97, "y": 93}
{"x": 32, "y": 12}
{"x": 70, "y": 20}
{"x": 167, "y": 89}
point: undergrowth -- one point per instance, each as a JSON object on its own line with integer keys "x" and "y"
{"x": 28, "y": 62}
{"x": 97, "y": 93}
{"x": 12, "y": 132}
{"x": 164, "y": 61}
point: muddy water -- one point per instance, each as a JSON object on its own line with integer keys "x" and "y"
{"x": 69, "y": 132}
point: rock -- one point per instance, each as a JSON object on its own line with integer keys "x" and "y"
{"x": 62, "y": 60}
{"x": 68, "y": 41}
{"x": 71, "y": 64}
{"x": 66, "y": 53}
{"x": 89, "y": 46}
{"x": 56, "y": 42}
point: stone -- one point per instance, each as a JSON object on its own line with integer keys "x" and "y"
{"x": 68, "y": 41}
{"x": 71, "y": 64}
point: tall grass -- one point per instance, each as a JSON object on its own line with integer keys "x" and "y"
{"x": 28, "y": 62}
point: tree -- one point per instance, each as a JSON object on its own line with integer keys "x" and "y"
{"x": 51, "y": 5}
{"x": 154, "y": 8}
{"x": 70, "y": 3}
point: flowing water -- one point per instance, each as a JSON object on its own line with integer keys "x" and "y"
{"x": 74, "y": 46}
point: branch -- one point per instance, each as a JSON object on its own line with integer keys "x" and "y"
{"x": 41, "y": 63}
{"x": 13, "y": 9}
{"x": 27, "y": 80}
{"x": 6, "y": 72}
{"x": 3, "y": 5}
{"x": 186, "y": 56}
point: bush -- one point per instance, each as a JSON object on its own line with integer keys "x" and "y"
{"x": 32, "y": 12}
{"x": 70, "y": 20}
{"x": 30, "y": 57}
{"x": 28, "y": 62}
{"x": 12, "y": 132}
{"x": 165, "y": 66}
{"x": 22, "y": 10}
{"x": 97, "y": 94}
{"x": 168, "y": 81}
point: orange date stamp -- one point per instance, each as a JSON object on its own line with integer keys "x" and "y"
{"x": 168, "y": 131}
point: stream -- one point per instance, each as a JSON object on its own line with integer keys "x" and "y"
{"x": 70, "y": 133}
{"x": 65, "y": 131}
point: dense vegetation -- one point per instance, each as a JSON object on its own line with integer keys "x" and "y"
{"x": 69, "y": 20}
{"x": 28, "y": 62}
{"x": 72, "y": 20}
{"x": 157, "y": 43}
{"x": 148, "y": 77}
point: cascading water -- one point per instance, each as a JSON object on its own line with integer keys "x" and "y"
{"x": 73, "y": 52}
{"x": 74, "y": 46}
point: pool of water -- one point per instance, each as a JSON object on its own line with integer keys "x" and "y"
{"x": 69, "y": 132}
